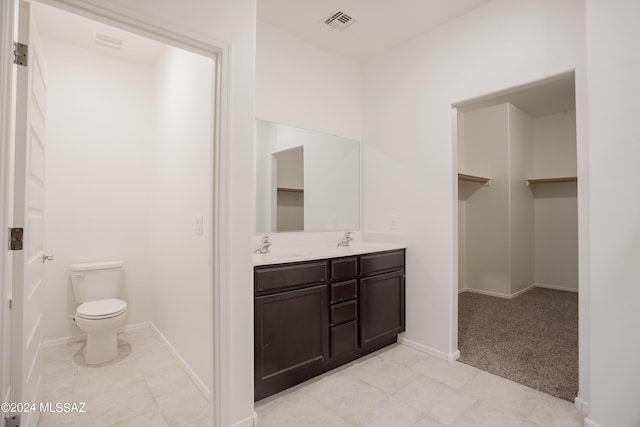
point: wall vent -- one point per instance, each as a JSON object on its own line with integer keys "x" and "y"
{"x": 340, "y": 20}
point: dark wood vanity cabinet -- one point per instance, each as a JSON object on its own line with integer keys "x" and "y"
{"x": 291, "y": 320}
{"x": 343, "y": 334}
{"x": 310, "y": 317}
{"x": 382, "y": 301}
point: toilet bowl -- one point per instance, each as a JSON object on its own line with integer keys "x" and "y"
{"x": 100, "y": 313}
{"x": 100, "y": 320}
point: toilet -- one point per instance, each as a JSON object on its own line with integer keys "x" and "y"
{"x": 96, "y": 287}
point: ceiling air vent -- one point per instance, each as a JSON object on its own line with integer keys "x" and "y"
{"x": 108, "y": 41}
{"x": 340, "y": 20}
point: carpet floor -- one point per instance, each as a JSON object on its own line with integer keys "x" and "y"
{"x": 531, "y": 339}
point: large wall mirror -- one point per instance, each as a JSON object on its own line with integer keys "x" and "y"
{"x": 307, "y": 180}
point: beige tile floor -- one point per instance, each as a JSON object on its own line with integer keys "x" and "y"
{"x": 399, "y": 387}
{"x": 144, "y": 386}
{"x": 394, "y": 387}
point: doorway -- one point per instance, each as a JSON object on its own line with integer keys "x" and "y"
{"x": 518, "y": 235}
{"x": 115, "y": 173}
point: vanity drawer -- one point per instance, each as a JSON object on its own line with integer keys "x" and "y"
{"x": 344, "y": 312}
{"x": 344, "y": 268}
{"x": 381, "y": 262}
{"x": 343, "y": 291}
{"x": 344, "y": 338}
{"x": 282, "y": 277}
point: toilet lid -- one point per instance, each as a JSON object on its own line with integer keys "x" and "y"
{"x": 101, "y": 309}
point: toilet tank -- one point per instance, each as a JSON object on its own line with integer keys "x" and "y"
{"x": 96, "y": 280}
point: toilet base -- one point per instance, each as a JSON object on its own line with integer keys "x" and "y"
{"x": 101, "y": 347}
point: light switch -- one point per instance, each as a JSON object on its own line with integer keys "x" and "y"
{"x": 199, "y": 221}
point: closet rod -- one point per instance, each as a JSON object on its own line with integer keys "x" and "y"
{"x": 291, "y": 190}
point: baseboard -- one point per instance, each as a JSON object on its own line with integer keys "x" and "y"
{"x": 520, "y": 292}
{"x": 431, "y": 351}
{"x": 581, "y": 405}
{"x": 136, "y": 326}
{"x": 65, "y": 340}
{"x": 247, "y": 422}
{"x": 196, "y": 380}
{"x": 556, "y": 288}
{"x": 79, "y": 338}
{"x": 489, "y": 293}
{"x": 589, "y": 423}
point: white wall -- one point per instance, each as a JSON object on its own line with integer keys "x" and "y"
{"x": 496, "y": 253}
{"x": 521, "y": 202}
{"x": 300, "y": 85}
{"x": 181, "y": 159}
{"x": 487, "y": 244}
{"x": 555, "y": 145}
{"x": 556, "y": 205}
{"x": 98, "y": 176}
{"x": 613, "y": 67}
{"x": 407, "y": 97}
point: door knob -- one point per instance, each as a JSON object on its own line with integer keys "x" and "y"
{"x": 47, "y": 257}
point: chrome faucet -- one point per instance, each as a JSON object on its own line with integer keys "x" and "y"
{"x": 264, "y": 246}
{"x": 346, "y": 239}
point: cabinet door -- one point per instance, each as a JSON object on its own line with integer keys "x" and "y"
{"x": 291, "y": 338}
{"x": 381, "y": 306}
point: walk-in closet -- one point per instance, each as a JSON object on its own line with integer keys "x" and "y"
{"x": 518, "y": 235}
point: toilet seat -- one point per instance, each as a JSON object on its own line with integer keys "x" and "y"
{"x": 101, "y": 309}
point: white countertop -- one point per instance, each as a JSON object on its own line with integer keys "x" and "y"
{"x": 308, "y": 253}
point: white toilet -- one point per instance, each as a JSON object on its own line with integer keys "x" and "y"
{"x": 96, "y": 286}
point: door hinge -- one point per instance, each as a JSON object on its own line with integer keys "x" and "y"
{"x": 13, "y": 421}
{"x": 16, "y": 235}
{"x": 20, "y": 52}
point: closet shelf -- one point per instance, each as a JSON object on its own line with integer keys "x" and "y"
{"x": 474, "y": 178}
{"x": 552, "y": 180}
{"x": 291, "y": 190}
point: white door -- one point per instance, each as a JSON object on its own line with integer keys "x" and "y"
{"x": 27, "y": 317}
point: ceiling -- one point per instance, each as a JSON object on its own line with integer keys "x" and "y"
{"x": 63, "y": 26}
{"x": 380, "y": 24}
